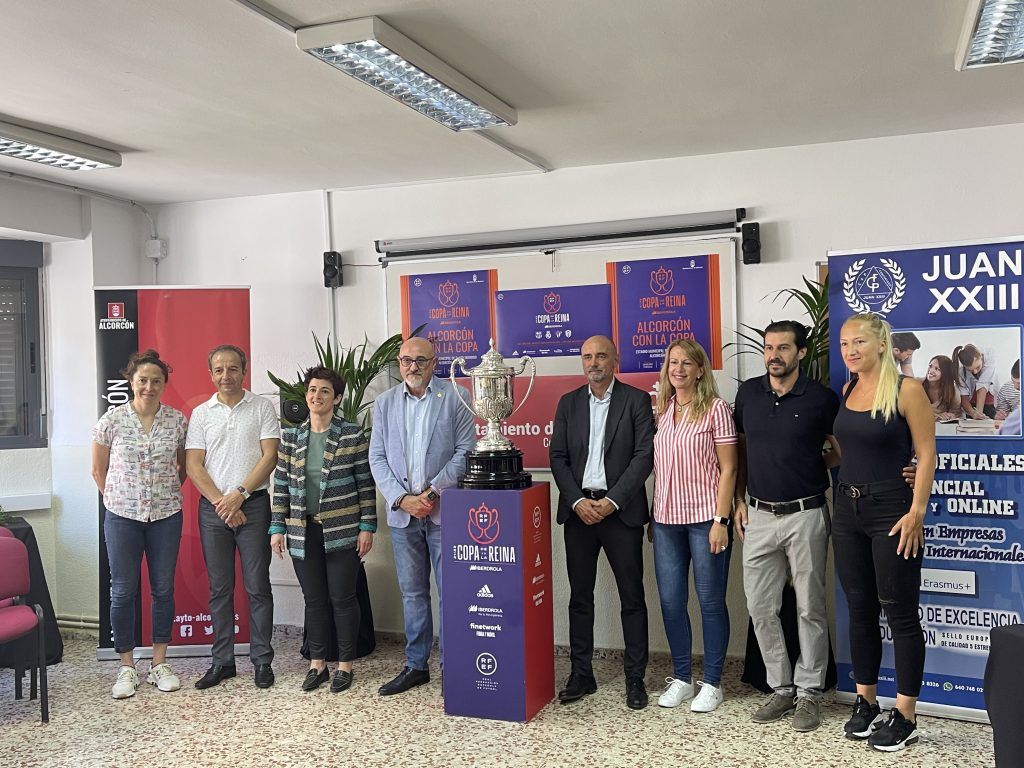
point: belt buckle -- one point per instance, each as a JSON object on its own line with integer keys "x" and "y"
{"x": 775, "y": 509}
{"x": 855, "y": 492}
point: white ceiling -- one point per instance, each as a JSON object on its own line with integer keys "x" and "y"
{"x": 206, "y": 99}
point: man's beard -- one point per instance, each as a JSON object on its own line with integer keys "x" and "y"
{"x": 786, "y": 370}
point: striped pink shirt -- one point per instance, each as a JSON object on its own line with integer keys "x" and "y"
{"x": 686, "y": 471}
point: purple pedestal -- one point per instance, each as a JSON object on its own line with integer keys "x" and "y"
{"x": 496, "y": 602}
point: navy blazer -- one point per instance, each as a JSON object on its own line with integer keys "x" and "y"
{"x": 628, "y": 450}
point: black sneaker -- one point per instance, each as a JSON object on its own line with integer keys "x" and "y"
{"x": 898, "y": 733}
{"x": 866, "y": 718}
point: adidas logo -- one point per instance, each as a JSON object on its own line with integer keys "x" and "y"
{"x": 484, "y": 591}
{"x": 536, "y": 563}
{"x": 474, "y": 608}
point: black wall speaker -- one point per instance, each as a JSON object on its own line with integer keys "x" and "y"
{"x": 750, "y": 242}
{"x": 332, "y": 269}
{"x": 293, "y": 411}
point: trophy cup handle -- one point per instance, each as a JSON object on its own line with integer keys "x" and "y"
{"x": 461, "y": 363}
{"x": 533, "y": 374}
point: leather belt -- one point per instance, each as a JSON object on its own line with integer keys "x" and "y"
{"x": 789, "y": 507}
{"x": 856, "y": 490}
{"x": 594, "y": 494}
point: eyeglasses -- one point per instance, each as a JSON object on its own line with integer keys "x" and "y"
{"x": 421, "y": 362}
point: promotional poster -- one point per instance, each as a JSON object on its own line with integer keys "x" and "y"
{"x": 551, "y": 322}
{"x": 655, "y": 301}
{"x": 942, "y": 300}
{"x": 183, "y": 325}
{"x": 457, "y": 309}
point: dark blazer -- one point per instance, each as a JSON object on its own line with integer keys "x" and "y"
{"x": 628, "y": 450}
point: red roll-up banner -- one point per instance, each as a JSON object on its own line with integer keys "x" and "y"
{"x": 183, "y": 325}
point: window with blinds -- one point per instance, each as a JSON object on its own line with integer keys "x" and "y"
{"x": 20, "y": 379}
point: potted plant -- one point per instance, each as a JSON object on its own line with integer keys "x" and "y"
{"x": 813, "y": 297}
{"x": 357, "y": 367}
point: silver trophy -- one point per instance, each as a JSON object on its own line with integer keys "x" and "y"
{"x": 494, "y": 461}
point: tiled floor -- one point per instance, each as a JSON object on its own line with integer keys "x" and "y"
{"x": 237, "y": 725}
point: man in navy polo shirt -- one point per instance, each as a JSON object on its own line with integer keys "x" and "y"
{"x": 784, "y": 420}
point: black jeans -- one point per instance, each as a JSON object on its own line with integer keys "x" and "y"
{"x": 623, "y": 546}
{"x": 329, "y": 582}
{"x": 875, "y": 578}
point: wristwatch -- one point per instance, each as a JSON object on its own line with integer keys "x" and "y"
{"x": 245, "y": 493}
{"x": 398, "y": 503}
{"x": 726, "y": 521}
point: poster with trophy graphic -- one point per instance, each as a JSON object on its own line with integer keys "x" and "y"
{"x": 655, "y": 301}
{"x": 456, "y": 309}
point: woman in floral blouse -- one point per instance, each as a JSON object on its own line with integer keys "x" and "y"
{"x": 138, "y": 463}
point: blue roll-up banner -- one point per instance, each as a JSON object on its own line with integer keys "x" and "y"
{"x": 950, "y": 296}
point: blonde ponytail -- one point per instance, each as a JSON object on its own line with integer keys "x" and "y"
{"x": 888, "y": 389}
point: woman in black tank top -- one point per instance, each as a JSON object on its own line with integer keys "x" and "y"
{"x": 878, "y": 530}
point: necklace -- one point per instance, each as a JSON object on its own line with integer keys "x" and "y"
{"x": 680, "y": 406}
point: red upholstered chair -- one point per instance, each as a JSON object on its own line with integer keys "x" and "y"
{"x": 17, "y": 620}
{"x": 5, "y": 533}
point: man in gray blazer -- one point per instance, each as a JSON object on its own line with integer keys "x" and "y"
{"x": 421, "y": 435}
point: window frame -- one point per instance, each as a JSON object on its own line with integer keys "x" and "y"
{"x": 20, "y": 260}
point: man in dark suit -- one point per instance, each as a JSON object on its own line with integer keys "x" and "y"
{"x": 602, "y": 451}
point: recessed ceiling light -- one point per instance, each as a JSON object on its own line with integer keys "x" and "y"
{"x": 381, "y": 56}
{"x": 55, "y": 151}
{"x": 993, "y": 33}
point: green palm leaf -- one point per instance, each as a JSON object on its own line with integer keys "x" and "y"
{"x": 813, "y": 299}
{"x": 356, "y": 369}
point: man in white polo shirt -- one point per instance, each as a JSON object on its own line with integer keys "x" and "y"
{"x": 230, "y": 451}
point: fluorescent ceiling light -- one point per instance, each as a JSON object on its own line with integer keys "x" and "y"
{"x": 378, "y": 55}
{"x": 56, "y": 151}
{"x": 993, "y": 33}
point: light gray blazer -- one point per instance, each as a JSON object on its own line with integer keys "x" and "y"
{"x": 451, "y": 431}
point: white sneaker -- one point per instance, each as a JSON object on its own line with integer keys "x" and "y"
{"x": 708, "y": 699}
{"x": 162, "y": 677}
{"x": 676, "y": 693}
{"x": 127, "y": 683}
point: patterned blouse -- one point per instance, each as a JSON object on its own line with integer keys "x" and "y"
{"x": 686, "y": 471}
{"x": 142, "y": 477}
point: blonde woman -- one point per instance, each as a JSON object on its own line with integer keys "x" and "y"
{"x": 695, "y": 459}
{"x": 878, "y": 529}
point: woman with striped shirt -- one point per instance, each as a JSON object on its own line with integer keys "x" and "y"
{"x": 695, "y": 459}
{"x": 326, "y": 503}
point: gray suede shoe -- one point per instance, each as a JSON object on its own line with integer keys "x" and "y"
{"x": 807, "y": 716}
{"x": 776, "y": 708}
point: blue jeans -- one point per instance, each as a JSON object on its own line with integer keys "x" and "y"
{"x": 127, "y": 540}
{"x": 675, "y": 547}
{"x": 418, "y": 549}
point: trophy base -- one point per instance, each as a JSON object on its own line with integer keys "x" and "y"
{"x": 500, "y": 470}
